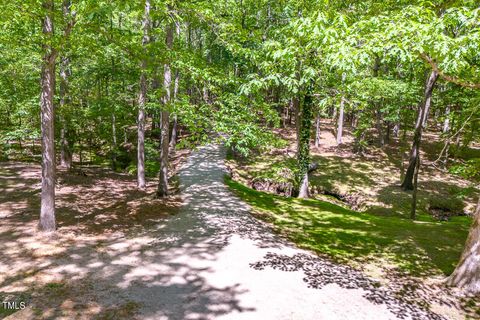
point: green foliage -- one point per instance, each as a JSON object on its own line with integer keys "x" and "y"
{"x": 469, "y": 170}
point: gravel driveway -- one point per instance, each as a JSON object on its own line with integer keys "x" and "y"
{"x": 215, "y": 261}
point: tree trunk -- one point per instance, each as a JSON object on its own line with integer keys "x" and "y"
{"x": 417, "y": 137}
{"x": 388, "y": 128}
{"x": 114, "y": 141}
{"x": 65, "y": 150}
{"x": 162, "y": 190}
{"x": 396, "y": 130}
{"x": 413, "y": 212}
{"x": 446, "y": 123}
{"x": 65, "y": 154}
{"x": 425, "y": 114}
{"x": 379, "y": 125}
{"x": 173, "y": 137}
{"x": 47, "y": 210}
{"x": 80, "y": 151}
{"x": 353, "y": 120}
{"x": 334, "y": 113}
{"x": 317, "y": 132}
{"x": 467, "y": 273}
{"x": 142, "y": 97}
{"x": 340, "y": 121}
{"x": 297, "y": 112}
{"x": 141, "y": 132}
{"x": 303, "y": 153}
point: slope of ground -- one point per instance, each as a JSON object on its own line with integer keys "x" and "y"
{"x": 425, "y": 248}
{"x": 368, "y": 182}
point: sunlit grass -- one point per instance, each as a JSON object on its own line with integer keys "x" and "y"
{"x": 424, "y": 247}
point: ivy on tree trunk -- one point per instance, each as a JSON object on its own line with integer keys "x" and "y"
{"x": 303, "y": 154}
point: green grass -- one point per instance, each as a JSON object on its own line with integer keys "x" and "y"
{"x": 423, "y": 247}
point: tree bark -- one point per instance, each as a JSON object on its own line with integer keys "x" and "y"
{"x": 379, "y": 124}
{"x": 142, "y": 97}
{"x": 388, "y": 129}
{"x": 65, "y": 143}
{"x": 340, "y": 121}
{"x": 297, "y": 114}
{"x": 317, "y": 132}
{"x": 47, "y": 209}
{"x": 65, "y": 152}
{"x": 417, "y": 137}
{"x": 467, "y": 273}
{"x": 413, "y": 211}
{"x": 173, "y": 137}
{"x": 141, "y": 133}
{"x": 425, "y": 114}
{"x": 446, "y": 123}
{"x": 303, "y": 153}
{"x": 396, "y": 130}
{"x": 297, "y": 109}
{"x": 114, "y": 141}
{"x": 162, "y": 190}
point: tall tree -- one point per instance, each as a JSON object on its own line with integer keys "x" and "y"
{"x": 47, "y": 209}
{"x": 142, "y": 97}
{"x": 341, "y": 113}
{"x": 303, "y": 154}
{"x": 176, "y": 87}
{"x": 65, "y": 149}
{"x": 162, "y": 190}
{"x": 423, "y": 108}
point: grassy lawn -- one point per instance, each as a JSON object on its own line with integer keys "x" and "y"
{"x": 422, "y": 248}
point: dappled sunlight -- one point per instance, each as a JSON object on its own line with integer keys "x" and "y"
{"x": 368, "y": 182}
{"x": 120, "y": 253}
{"x": 412, "y": 248}
{"x": 119, "y": 248}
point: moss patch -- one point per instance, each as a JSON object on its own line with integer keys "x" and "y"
{"x": 424, "y": 247}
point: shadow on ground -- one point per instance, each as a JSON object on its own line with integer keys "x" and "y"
{"x": 109, "y": 257}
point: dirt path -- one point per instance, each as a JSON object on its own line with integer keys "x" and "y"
{"x": 212, "y": 260}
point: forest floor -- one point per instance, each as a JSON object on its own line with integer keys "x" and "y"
{"x": 120, "y": 254}
{"x": 368, "y": 182}
{"x": 94, "y": 207}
